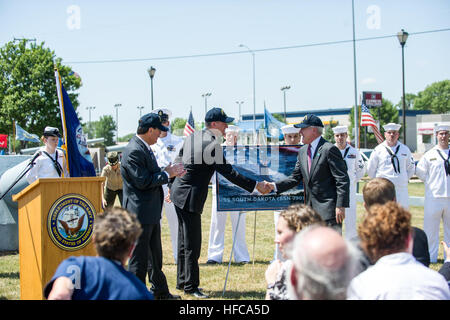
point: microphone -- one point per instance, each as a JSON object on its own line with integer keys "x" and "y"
{"x": 37, "y": 154}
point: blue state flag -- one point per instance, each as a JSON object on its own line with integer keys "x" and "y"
{"x": 78, "y": 155}
{"x": 272, "y": 126}
{"x": 22, "y": 135}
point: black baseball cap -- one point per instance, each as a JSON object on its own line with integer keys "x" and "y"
{"x": 308, "y": 121}
{"x": 217, "y": 114}
{"x": 51, "y": 132}
{"x": 152, "y": 120}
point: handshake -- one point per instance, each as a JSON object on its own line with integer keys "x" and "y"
{"x": 265, "y": 187}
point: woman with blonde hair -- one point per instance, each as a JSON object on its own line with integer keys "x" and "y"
{"x": 291, "y": 221}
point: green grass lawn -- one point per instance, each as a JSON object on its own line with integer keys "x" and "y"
{"x": 244, "y": 281}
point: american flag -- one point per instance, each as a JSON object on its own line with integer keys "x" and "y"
{"x": 368, "y": 120}
{"x": 190, "y": 125}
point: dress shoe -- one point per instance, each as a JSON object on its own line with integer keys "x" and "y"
{"x": 198, "y": 294}
{"x": 168, "y": 296}
{"x": 212, "y": 262}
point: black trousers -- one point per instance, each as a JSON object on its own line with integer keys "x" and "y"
{"x": 110, "y": 197}
{"x": 189, "y": 247}
{"x": 147, "y": 259}
{"x": 332, "y": 223}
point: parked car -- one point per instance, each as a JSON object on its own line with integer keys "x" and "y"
{"x": 365, "y": 153}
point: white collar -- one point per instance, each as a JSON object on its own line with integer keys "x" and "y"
{"x": 315, "y": 143}
{"x": 397, "y": 258}
{"x": 386, "y": 144}
{"x": 146, "y": 144}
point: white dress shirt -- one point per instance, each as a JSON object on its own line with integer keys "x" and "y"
{"x": 44, "y": 167}
{"x": 149, "y": 147}
{"x": 398, "y": 276}
{"x": 380, "y": 164}
{"x": 355, "y": 164}
{"x": 430, "y": 170}
{"x": 166, "y": 149}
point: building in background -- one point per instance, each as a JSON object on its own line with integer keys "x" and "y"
{"x": 426, "y": 138}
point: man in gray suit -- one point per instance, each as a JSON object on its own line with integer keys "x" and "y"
{"x": 324, "y": 174}
{"x": 143, "y": 195}
{"x": 202, "y": 155}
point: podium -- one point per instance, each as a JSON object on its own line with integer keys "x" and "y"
{"x": 55, "y": 217}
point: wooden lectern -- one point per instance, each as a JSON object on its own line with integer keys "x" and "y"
{"x": 56, "y": 217}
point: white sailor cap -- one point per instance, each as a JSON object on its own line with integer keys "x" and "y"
{"x": 289, "y": 128}
{"x": 232, "y": 128}
{"x": 442, "y": 127}
{"x": 392, "y": 126}
{"x": 340, "y": 129}
{"x": 165, "y": 114}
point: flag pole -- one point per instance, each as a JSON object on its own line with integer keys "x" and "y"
{"x": 359, "y": 121}
{"x": 63, "y": 119}
{"x": 14, "y": 137}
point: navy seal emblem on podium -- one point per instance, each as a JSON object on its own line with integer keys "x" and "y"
{"x": 70, "y": 222}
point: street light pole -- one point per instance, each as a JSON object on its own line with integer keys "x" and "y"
{"x": 89, "y": 109}
{"x": 239, "y": 103}
{"x": 284, "y": 94}
{"x": 151, "y": 73}
{"x": 206, "y": 95}
{"x": 402, "y": 36}
{"x": 254, "y": 86}
{"x": 117, "y": 105}
{"x": 140, "y": 111}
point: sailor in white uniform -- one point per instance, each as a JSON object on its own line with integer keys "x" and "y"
{"x": 392, "y": 160}
{"x": 219, "y": 218}
{"x": 166, "y": 149}
{"x": 434, "y": 170}
{"x": 291, "y": 136}
{"x": 356, "y": 170}
{"x": 51, "y": 162}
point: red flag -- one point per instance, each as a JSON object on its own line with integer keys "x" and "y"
{"x": 3, "y": 140}
{"x": 368, "y": 121}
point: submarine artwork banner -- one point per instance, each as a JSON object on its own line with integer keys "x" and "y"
{"x": 272, "y": 163}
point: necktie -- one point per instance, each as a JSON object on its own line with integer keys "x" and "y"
{"x": 394, "y": 159}
{"x": 309, "y": 158}
{"x": 446, "y": 162}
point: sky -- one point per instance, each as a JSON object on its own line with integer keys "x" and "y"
{"x": 194, "y": 46}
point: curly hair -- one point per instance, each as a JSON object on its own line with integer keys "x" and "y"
{"x": 385, "y": 230}
{"x": 115, "y": 231}
{"x": 298, "y": 216}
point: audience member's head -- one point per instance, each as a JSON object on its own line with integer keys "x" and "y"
{"x": 378, "y": 191}
{"x": 115, "y": 233}
{"x": 291, "y": 221}
{"x": 324, "y": 264}
{"x": 385, "y": 230}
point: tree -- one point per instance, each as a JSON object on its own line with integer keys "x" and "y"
{"x": 328, "y": 133}
{"x": 435, "y": 97}
{"x": 126, "y": 138}
{"x": 27, "y": 87}
{"x": 105, "y": 128}
{"x": 279, "y": 117}
{"x": 177, "y": 123}
{"x": 388, "y": 114}
{"x": 409, "y": 101}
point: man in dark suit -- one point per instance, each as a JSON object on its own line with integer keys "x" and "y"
{"x": 143, "y": 195}
{"x": 321, "y": 167}
{"x": 201, "y": 155}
